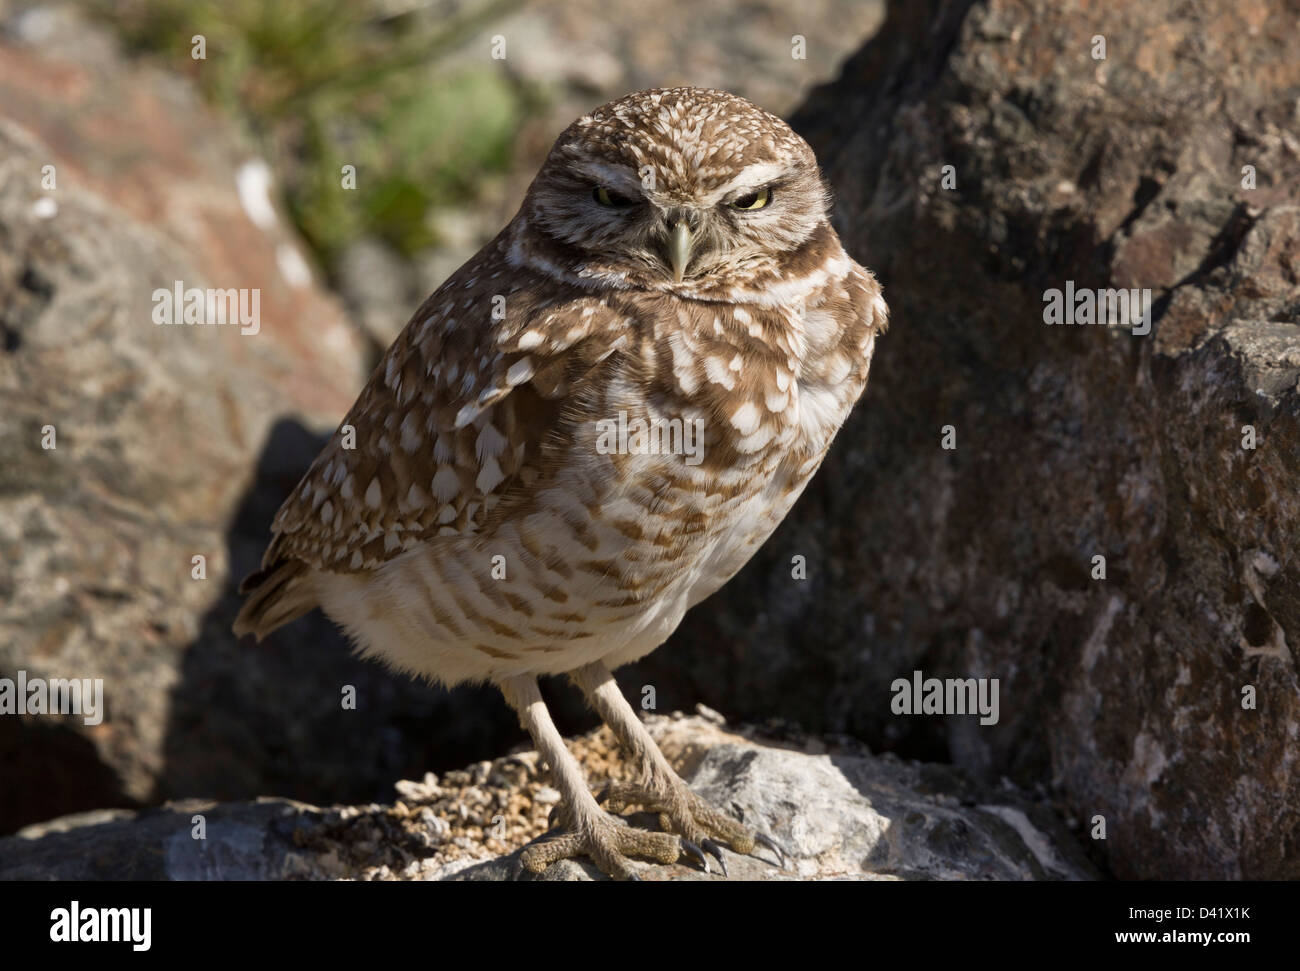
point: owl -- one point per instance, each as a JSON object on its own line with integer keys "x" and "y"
{"x": 585, "y": 431}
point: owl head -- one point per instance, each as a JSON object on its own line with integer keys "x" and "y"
{"x": 686, "y": 190}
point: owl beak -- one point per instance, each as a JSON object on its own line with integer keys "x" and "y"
{"x": 680, "y": 243}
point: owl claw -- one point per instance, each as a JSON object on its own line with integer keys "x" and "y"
{"x": 767, "y": 841}
{"x": 682, "y": 812}
{"x": 607, "y": 841}
{"x": 714, "y": 847}
{"x": 693, "y": 852}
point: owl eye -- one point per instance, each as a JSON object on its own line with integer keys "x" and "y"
{"x": 611, "y": 200}
{"x": 752, "y": 200}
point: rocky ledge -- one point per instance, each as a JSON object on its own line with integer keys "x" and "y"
{"x": 839, "y": 811}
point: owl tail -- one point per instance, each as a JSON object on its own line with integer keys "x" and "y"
{"x": 277, "y": 596}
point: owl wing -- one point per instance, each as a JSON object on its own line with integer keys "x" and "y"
{"x": 458, "y": 416}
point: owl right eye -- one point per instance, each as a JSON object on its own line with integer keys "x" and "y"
{"x": 611, "y": 200}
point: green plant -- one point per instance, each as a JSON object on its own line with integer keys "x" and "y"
{"x": 328, "y": 83}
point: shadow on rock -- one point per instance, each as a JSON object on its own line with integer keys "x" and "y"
{"x": 252, "y": 719}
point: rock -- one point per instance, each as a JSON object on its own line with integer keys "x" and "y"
{"x": 1129, "y": 696}
{"x": 599, "y": 50}
{"x": 172, "y": 441}
{"x": 840, "y": 813}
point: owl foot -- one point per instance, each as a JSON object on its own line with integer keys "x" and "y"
{"x": 608, "y": 842}
{"x": 682, "y": 812}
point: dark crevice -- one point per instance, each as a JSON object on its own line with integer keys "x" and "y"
{"x": 1148, "y": 188}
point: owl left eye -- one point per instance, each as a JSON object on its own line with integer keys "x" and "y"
{"x": 610, "y": 199}
{"x": 752, "y": 200}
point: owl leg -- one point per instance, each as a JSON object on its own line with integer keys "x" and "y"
{"x": 659, "y": 788}
{"x": 587, "y": 828}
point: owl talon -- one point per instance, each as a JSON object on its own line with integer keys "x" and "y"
{"x": 608, "y": 842}
{"x": 695, "y": 854}
{"x": 681, "y": 811}
{"x": 767, "y": 841}
{"x": 714, "y": 847}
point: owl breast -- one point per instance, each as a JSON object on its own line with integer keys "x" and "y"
{"x": 766, "y": 390}
{"x": 681, "y": 453}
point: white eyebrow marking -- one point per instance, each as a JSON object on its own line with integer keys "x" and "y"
{"x": 753, "y": 176}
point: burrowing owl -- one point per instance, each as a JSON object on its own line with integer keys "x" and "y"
{"x": 586, "y": 430}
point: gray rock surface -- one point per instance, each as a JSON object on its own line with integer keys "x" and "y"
{"x": 838, "y": 811}
{"x": 1125, "y": 695}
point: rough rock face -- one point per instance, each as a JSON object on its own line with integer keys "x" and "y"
{"x": 159, "y": 430}
{"x": 1126, "y": 693}
{"x": 839, "y": 813}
